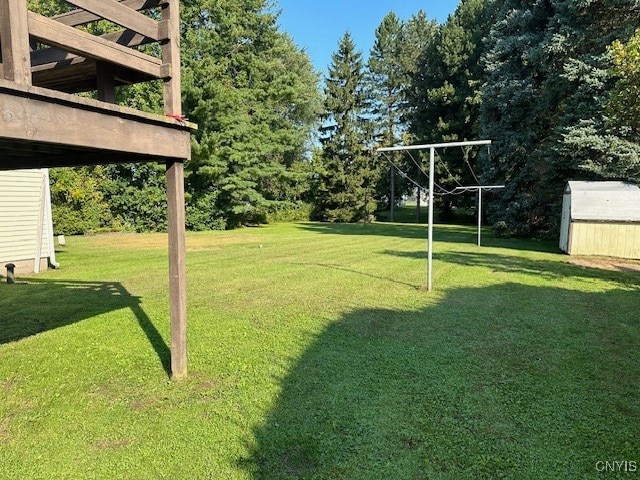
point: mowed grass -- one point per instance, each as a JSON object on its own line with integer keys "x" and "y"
{"x": 314, "y": 354}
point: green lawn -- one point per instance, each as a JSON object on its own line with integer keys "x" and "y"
{"x": 314, "y": 354}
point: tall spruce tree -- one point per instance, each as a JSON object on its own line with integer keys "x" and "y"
{"x": 345, "y": 190}
{"x": 420, "y": 33}
{"x": 547, "y": 87}
{"x": 447, "y": 93}
{"x": 514, "y": 113}
{"x": 255, "y": 97}
{"x": 386, "y": 82}
{"x": 593, "y": 140}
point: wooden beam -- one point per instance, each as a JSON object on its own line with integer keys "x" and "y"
{"x": 84, "y": 44}
{"x": 106, "y": 82}
{"x": 61, "y": 119}
{"x": 75, "y": 75}
{"x": 76, "y": 18}
{"x": 171, "y": 56}
{"x": 13, "y": 162}
{"x": 15, "y": 41}
{"x": 79, "y": 75}
{"x": 126, "y": 38}
{"x": 177, "y": 268}
{"x": 120, "y": 14}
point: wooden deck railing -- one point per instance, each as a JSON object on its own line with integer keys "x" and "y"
{"x": 75, "y": 61}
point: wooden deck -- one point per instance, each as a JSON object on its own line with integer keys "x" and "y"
{"x": 46, "y": 128}
{"x": 44, "y": 61}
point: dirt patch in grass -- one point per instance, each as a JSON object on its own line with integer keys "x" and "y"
{"x": 608, "y": 263}
{"x": 8, "y": 385}
{"x": 4, "y": 430}
{"x": 142, "y": 404}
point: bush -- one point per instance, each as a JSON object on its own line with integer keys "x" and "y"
{"x": 293, "y": 212}
{"x": 78, "y": 205}
{"x": 501, "y": 229}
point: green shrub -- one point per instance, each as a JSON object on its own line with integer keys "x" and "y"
{"x": 293, "y": 212}
{"x": 501, "y": 229}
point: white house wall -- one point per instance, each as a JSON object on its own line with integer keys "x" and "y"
{"x": 21, "y": 208}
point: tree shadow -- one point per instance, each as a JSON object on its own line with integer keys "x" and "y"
{"x": 627, "y": 277}
{"x": 441, "y": 233}
{"x": 542, "y": 268}
{"x": 511, "y": 381}
{"x": 39, "y": 305}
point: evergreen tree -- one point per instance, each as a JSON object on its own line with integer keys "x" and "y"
{"x": 346, "y": 180}
{"x": 386, "y": 83}
{"x": 547, "y": 89}
{"x": 447, "y": 94}
{"x": 420, "y": 34}
{"x": 514, "y": 113}
{"x": 595, "y": 137}
{"x": 254, "y": 95}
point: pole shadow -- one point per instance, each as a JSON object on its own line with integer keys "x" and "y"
{"x": 40, "y": 305}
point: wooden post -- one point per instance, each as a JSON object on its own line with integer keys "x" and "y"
{"x": 16, "y": 52}
{"x": 177, "y": 268}
{"x": 106, "y": 82}
{"x": 175, "y": 199}
{"x": 171, "y": 56}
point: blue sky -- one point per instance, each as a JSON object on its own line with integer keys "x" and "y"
{"x": 318, "y": 25}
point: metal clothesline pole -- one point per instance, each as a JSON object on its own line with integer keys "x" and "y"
{"x": 432, "y": 151}
{"x": 435, "y": 145}
{"x": 479, "y": 215}
{"x": 432, "y": 156}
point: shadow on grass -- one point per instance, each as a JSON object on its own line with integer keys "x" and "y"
{"x": 511, "y": 381}
{"x": 342, "y": 268}
{"x": 40, "y": 305}
{"x": 518, "y": 264}
{"x": 441, "y": 233}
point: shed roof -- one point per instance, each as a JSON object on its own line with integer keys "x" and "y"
{"x": 604, "y": 201}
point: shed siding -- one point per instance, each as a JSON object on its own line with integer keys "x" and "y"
{"x": 606, "y": 239}
{"x": 20, "y": 205}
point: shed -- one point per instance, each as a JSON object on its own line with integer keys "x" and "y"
{"x": 601, "y": 218}
{"x": 26, "y": 230}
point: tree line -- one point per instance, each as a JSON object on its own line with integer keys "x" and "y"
{"x": 553, "y": 83}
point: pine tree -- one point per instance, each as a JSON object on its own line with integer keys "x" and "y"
{"x": 346, "y": 181}
{"x": 255, "y": 97}
{"x": 514, "y": 113}
{"x": 447, "y": 93}
{"x": 595, "y": 137}
{"x": 386, "y": 81}
{"x": 548, "y": 84}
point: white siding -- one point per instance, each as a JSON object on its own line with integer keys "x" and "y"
{"x": 21, "y": 194}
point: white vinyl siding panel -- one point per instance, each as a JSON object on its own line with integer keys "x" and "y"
{"x": 21, "y": 194}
